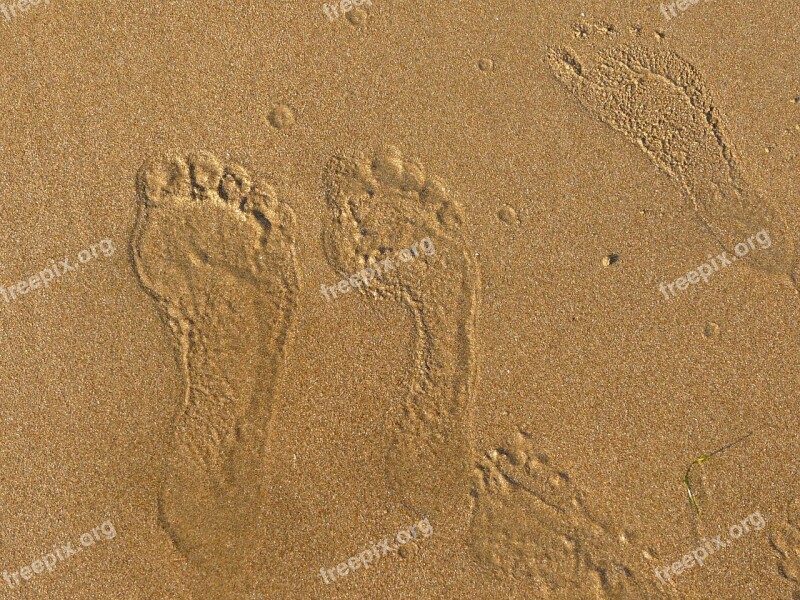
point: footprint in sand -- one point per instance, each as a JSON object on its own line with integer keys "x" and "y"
{"x": 379, "y": 208}
{"x": 659, "y": 101}
{"x": 530, "y": 525}
{"x": 215, "y": 250}
{"x": 786, "y": 542}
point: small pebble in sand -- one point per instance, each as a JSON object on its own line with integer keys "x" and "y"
{"x": 357, "y": 16}
{"x": 508, "y": 215}
{"x": 610, "y": 259}
{"x": 281, "y": 117}
{"x": 486, "y": 65}
{"x": 711, "y": 330}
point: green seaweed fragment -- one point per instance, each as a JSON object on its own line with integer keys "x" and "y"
{"x": 700, "y": 460}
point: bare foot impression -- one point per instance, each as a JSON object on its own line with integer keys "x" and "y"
{"x": 530, "y": 524}
{"x": 659, "y": 101}
{"x": 215, "y": 249}
{"x": 786, "y": 542}
{"x": 382, "y": 207}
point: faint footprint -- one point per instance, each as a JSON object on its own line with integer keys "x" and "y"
{"x": 786, "y": 542}
{"x": 530, "y": 524}
{"x": 379, "y": 208}
{"x": 659, "y": 101}
{"x": 216, "y": 251}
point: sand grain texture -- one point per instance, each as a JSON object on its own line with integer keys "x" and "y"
{"x": 233, "y": 379}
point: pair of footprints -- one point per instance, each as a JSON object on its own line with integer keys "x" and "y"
{"x": 216, "y": 250}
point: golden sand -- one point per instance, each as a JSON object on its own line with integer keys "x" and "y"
{"x": 586, "y": 389}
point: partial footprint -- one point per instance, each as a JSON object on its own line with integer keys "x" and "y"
{"x": 379, "y": 208}
{"x": 216, "y": 250}
{"x": 659, "y": 101}
{"x": 530, "y": 524}
{"x": 786, "y": 542}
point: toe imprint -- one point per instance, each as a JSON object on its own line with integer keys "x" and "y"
{"x": 785, "y": 541}
{"x": 530, "y": 522}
